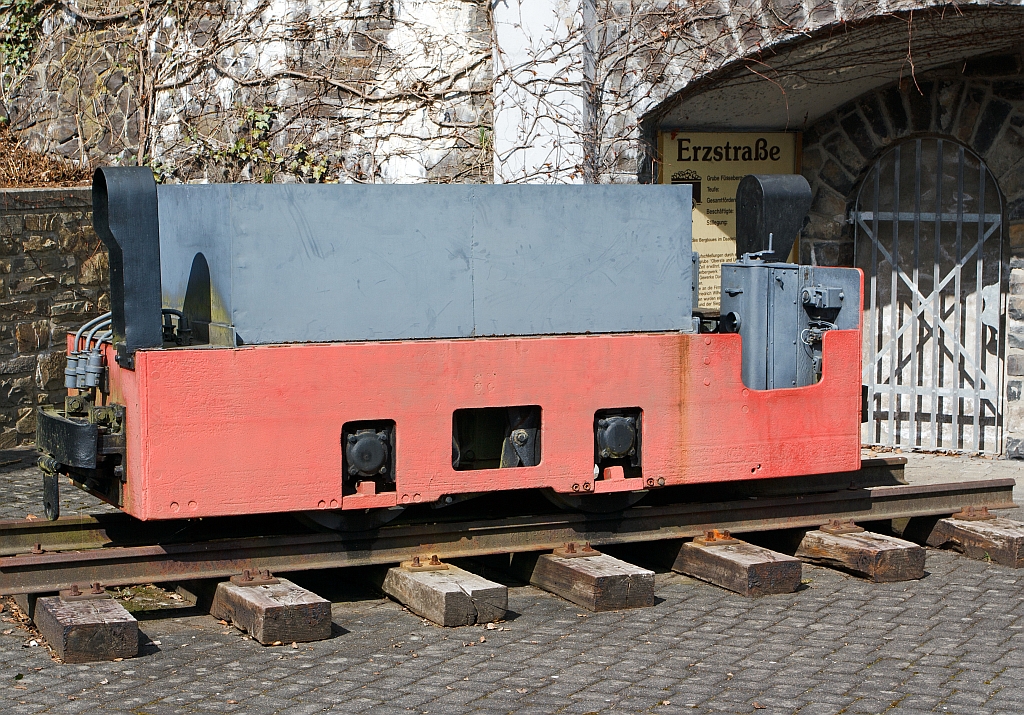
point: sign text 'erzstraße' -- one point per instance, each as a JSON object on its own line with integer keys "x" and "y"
{"x": 760, "y": 151}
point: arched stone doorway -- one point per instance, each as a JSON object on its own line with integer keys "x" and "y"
{"x": 978, "y": 105}
{"x": 854, "y": 96}
{"x": 928, "y": 227}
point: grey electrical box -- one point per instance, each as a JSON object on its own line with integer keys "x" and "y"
{"x": 782, "y": 311}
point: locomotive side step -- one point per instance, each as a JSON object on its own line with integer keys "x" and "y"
{"x": 444, "y": 593}
{"x": 588, "y": 578}
{"x": 737, "y": 566}
{"x": 877, "y": 557}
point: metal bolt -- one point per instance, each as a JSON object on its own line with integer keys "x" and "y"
{"x": 650, "y": 482}
{"x": 586, "y": 486}
{"x": 632, "y": 451}
{"x": 709, "y": 535}
{"x": 602, "y": 423}
{"x": 352, "y": 439}
{"x": 725, "y": 534}
{"x": 265, "y": 573}
{"x": 605, "y": 454}
{"x": 384, "y": 469}
{"x": 520, "y": 437}
{"x": 587, "y": 547}
{"x": 246, "y": 575}
{"x": 37, "y": 549}
{"x": 661, "y": 481}
{"x": 570, "y": 548}
{"x": 353, "y": 471}
{"x": 575, "y": 487}
{"x": 382, "y": 436}
{"x": 434, "y": 561}
{"x": 74, "y": 590}
{"x": 97, "y": 588}
{"x": 416, "y": 561}
{"x": 448, "y": 500}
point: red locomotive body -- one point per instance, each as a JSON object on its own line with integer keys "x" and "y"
{"x": 241, "y": 446}
{"x": 169, "y": 431}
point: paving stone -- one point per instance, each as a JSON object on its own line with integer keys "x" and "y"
{"x": 839, "y": 644}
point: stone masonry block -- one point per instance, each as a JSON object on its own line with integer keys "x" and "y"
{"x": 74, "y": 307}
{"x": 26, "y": 421}
{"x": 1016, "y": 235}
{"x": 1014, "y": 448}
{"x": 1013, "y": 390}
{"x": 50, "y": 370}
{"x": 12, "y": 310}
{"x": 32, "y": 337}
{"x": 25, "y": 363}
{"x": 16, "y": 391}
{"x": 94, "y": 270}
{"x": 37, "y": 242}
{"x": 39, "y": 222}
{"x": 1017, "y": 274}
{"x": 11, "y": 225}
{"x": 1015, "y": 364}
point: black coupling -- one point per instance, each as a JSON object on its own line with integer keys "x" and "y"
{"x": 48, "y": 464}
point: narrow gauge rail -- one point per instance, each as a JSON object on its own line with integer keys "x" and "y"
{"x": 113, "y": 549}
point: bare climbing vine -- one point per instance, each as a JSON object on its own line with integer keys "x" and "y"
{"x": 372, "y": 90}
{"x": 261, "y": 90}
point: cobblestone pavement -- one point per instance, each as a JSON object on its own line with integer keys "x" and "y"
{"x": 949, "y": 643}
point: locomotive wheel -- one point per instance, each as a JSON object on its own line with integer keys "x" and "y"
{"x": 353, "y": 520}
{"x": 594, "y": 503}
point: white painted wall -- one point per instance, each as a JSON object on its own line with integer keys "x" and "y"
{"x": 539, "y": 107}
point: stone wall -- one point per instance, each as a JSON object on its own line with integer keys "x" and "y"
{"x": 53, "y": 272}
{"x": 980, "y": 106}
{"x": 297, "y": 90}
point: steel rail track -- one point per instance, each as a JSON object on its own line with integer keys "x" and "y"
{"x": 218, "y": 558}
{"x": 72, "y": 533}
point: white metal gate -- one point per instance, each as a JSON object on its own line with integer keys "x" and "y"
{"x": 928, "y": 234}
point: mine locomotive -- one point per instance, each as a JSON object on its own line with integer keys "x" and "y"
{"x": 339, "y": 350}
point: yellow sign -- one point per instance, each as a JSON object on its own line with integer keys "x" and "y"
{"x": 713, "y": 164}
